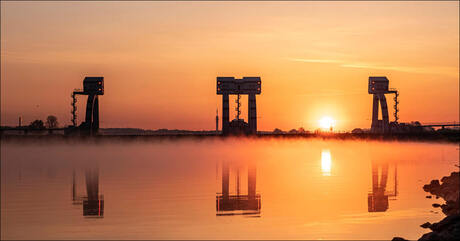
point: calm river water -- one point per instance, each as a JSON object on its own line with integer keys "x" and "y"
{"x": 220, "y": 189}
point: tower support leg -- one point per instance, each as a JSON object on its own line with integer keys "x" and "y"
{"x": 385, "y": 119}
{"x": 91, "y": 124}
{"x": 375, "y": 114}
{"x": 225, "y": 114}
{"x": 252, "y": 113}
{"x": 95, "y": 125}
{"x": 74, "y": 109}
{"x": 89, "y": 110}
{"x": 86, "y": 127}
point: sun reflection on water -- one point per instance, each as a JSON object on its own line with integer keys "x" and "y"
{"x": 326, "y": 162}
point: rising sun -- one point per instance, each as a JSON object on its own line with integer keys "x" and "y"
{"x": 326, "y": 122}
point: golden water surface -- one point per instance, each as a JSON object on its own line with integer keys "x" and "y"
{"x": 176, "y": 189}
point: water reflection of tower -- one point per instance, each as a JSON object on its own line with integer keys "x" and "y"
{"x": 236, "y": 203}
{"x": 93, "y": 203}
{"x": 377, "y": 200}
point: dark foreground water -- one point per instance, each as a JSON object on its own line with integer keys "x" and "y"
{"x": 220, "y": 189}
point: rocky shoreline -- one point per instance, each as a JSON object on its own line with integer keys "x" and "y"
{"x": 449, "y": 227}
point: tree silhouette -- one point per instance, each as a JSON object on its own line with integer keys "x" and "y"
{"x": 51, "y": 121}
{"x": 37, "y": 124}
{"x": 277, "y": 131}
{"x": 293, "y": 131}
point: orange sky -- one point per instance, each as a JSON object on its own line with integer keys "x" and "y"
{"x": 160, "y": 60}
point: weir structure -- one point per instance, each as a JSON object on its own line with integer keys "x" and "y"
{"x": 378, "y": 87}
{"x": 250, "y": 86}
{"x": 237, "y": 203}
{"x": 92, "y": 87}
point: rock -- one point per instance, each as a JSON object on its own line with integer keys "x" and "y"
{"x": 451, "y": 196}
{"x": 436, "y": 205}
{"x": 446, "y": 223}
{"x": 429, "y": 196}
{"x": 450, "y": 208}
{"x": 452, "y": 234}
{"x": 426, "y": 225}
{"x": 434, "y": 184}
{"x": 430, "y": 237}
{"x": 454, "y": 178}
{"x": 399, "y": 239}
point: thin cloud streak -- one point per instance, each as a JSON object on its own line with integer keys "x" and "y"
{"x": 370, "y": 66}
{"x": 331, "y": 94}
{"x": 450, "y": 71}
{"x": 316, "y": 60}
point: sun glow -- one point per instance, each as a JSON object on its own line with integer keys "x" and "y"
{"x": 326, "y": 122}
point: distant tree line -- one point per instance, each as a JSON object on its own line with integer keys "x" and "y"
{"x": 301, "y": 130}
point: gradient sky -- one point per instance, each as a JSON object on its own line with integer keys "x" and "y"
{"x": 160, "y": 60}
